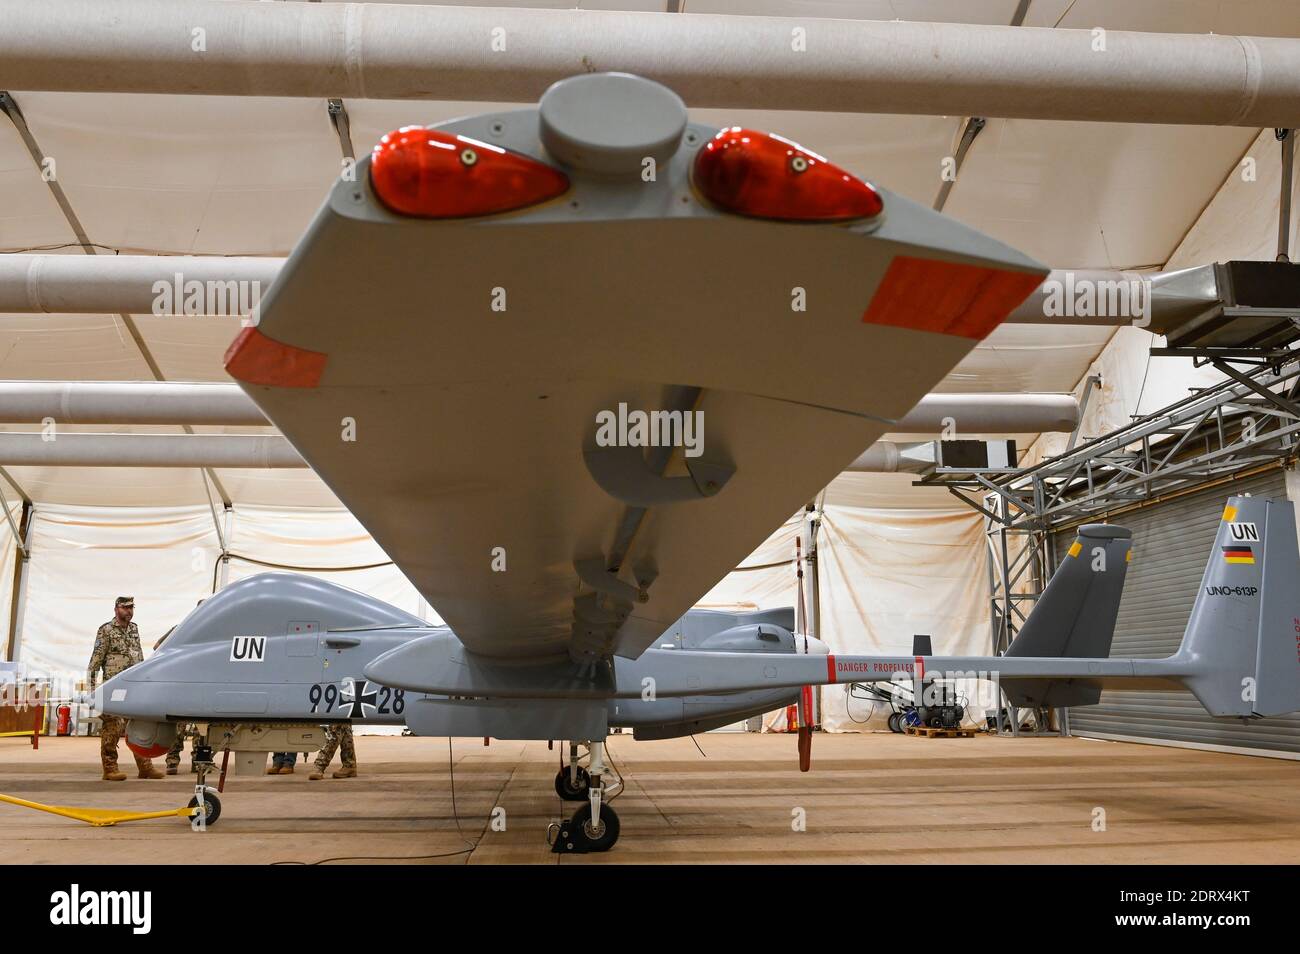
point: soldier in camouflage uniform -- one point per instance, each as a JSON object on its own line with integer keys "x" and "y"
{"x": 117, "y": 648}
{"x": 183, "y": 731}
{"x": 338, "y": 735}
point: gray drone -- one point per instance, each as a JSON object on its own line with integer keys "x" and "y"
{"x": 590, "y": 354}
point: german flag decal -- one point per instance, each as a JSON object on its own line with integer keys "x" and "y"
{"x": 1238, "y": 553}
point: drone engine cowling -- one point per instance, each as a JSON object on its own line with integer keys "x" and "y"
{"x": 150, "y": 739}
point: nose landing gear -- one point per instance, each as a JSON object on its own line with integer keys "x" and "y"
{"x": 211, "y": 810}
{"x": 572, "y": 781}
{"x": 205, "y": 796}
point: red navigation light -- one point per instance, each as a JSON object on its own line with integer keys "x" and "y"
{"x": 756, "y": 173}
{"x": 438, "y": 175}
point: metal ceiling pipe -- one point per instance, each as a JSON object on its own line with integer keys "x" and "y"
{"x": 212, "y": 284}
{"x": 1046, "y": 303}
{"x": 134, "y": 284}
{"x": 393, "y": 51}
{"x": 173, "y": 402}
{"x": 1090, "y": 296}
{"x": 147, "y": 450}
{"x": 963, "y": 414}
{"x": 126, "y": 402}
{"x": 887, "y": 457}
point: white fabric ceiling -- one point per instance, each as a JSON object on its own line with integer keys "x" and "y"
{"x": 226, "y": 176}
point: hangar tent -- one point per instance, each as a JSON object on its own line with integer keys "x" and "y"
{"x": 158, "y": 174}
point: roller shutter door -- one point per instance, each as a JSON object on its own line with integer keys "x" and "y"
{"x": 1171, "y": 543}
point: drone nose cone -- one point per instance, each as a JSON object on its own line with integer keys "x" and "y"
{"x": 812, "y": 646}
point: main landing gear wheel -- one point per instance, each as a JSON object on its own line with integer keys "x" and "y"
{"x": 893, "y": 722}
{"x": 211, "y": 808}
{"x": 594, "y": 826}
{"x": 579, "y": 836}
{"x": 565, "y": 788}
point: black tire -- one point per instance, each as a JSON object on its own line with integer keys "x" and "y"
{"x": 583, "y": 838}
{"x": 894, "y": 722}
{"x": 213, "y": 806}
{"x": 564, "y": 788}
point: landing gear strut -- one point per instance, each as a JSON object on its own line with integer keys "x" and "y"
{"x": 205, "y": 796}
{"x": 594, "y": 826}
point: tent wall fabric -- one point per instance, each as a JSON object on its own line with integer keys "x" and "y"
{"x": 893, "y": 561}
{"x": 887, "y": 572}
{"x": 168, "y": 559}
{"x": 84, "y": 557}
{"x": 174, "y": 175}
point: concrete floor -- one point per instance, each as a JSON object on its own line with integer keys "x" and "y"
{"x": 870, "y": 798}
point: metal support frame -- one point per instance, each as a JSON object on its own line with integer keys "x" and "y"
{"x": 1287, "y": 138}
{"x": 9, "y": 517}
{"x": 338, "y": 113}
{"x": 228, "y": 519}
{"x": 1017, "y": 572}
{"x": 972, "y": 129}
{"x": 22, "y": 539}
{"x": 1246, "y": 421}
{"x": 222, "y": 526}
{"x": 1093, "y": 383}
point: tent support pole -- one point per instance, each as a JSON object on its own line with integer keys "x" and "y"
{"x": 23, "y": 554}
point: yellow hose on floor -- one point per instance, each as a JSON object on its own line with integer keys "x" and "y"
{"x": 99, "y": 817}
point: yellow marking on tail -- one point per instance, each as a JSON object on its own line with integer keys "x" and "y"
{"x": 1229, "y": 513}
{"x": 1076, "y": 548}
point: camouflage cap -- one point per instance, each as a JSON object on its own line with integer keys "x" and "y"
{"x": 125, "y": 601}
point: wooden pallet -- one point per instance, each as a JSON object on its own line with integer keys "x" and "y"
{"x": 926, "y": 732}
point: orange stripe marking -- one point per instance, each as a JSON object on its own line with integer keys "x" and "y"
{"x": 946, "y": 297}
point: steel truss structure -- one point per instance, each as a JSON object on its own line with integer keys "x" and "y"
{"x": 1249, "y": 421}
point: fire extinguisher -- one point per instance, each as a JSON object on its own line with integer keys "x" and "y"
{"x": 65, "y": 719}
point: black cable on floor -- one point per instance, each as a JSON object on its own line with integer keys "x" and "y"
{"x": 470, "y": 846}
